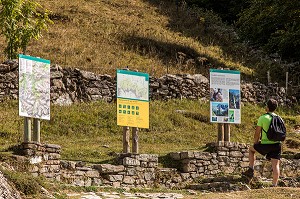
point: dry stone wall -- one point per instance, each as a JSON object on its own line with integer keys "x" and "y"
{"x": 73, "y": 85}
{"x": 142, "y": 170}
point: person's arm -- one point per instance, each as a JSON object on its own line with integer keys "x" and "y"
{"x": 257, "y": 134}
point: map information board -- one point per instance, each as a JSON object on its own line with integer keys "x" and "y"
{"x": 132, "y": 99}
{"x": 225, "y": 96}
{"x": 34, "y": 87}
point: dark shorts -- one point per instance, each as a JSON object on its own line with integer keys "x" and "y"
{"x": 269, "y": 150}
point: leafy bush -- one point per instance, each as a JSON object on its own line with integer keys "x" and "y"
{"x": 228, "y": 10}
{"x": 274, "y": 25}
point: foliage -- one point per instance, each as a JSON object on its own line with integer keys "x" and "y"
{"x": 228, "y": 10}
{"x": 274, "y": 25}
{"x": 21, "y": 21}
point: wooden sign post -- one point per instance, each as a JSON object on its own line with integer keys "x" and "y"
{"x": 126, "y": 136}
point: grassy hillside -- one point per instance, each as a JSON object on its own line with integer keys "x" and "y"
{"x": 149, "y": 35}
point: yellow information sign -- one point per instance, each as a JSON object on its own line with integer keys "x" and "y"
{"x": 132, "y": 113}
{"x": 132, "y": 99}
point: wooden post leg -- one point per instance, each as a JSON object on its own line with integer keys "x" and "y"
{"x": 135, "y": 140}
{"x": 220, "y": 132}
{"x": 126, "y": 136}
{"x": 27, "y": 129}
{"x": 36, "y": 130}
{"x": 227, "y": 132}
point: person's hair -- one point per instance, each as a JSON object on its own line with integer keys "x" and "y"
{"x": 272, "y": 105}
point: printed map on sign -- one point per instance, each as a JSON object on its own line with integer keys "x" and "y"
{"x": 34, "y": 87}
{"x": 133, "y": 87}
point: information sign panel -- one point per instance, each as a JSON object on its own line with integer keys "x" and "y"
{"x": 34, "y": 87}
{"x": 132, "y": 99}
{"x": 225, "y": 96}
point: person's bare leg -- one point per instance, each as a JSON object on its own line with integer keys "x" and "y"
{"x": 251, "y": 157}
{"x": 276, "y": 170}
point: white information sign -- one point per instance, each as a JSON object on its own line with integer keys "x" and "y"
{"x": 34, "y": 87}
{"x": 225, "y": 96}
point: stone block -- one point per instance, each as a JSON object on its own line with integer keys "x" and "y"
{"x": 28, "y": 152}
{"x": 84, "y": 168}
{"x": 131, "y": 171}
{"x": 187, "y": 155}
{"x": 212, "y": 167}
{"x": 108, "y": 168}
{"x": 52, "y": 162}
{"x": 203, "y": 155}
{"x": 205, "y": 163}
{"x": 79, "y": 173}
{"x": 223, "y": 149}
{"x": 78, "y": 182}
{"x": 35, "y": 160}
{"x": 127, "y": 161}
{"x": 88, "y": 182}
{"x": 222, "y": 153}
{"x": 200, "y": 169}
{"x": 97, "y": 182}
{"x": 128, "y": 180}
{"x": 229, "y": 144}
{"x": 54, "y": 156}
{"x": 148, "y": 176}
{"x": 53, "y": 146}
{"x": 236, "y": 154}
{"x": 68, "y": 165}
{"x": 152, "y": 164}
{"x": 114, "y": 178}
{"x": 214, "y": 161}
{"x": 116, "y": 184}
{"x": 189, "y": 168}
{"x": 92, "y": 174}
{"x": 144, "y": 164}
{"x": 185, "y": 176}
{"x": 245, "y": 159}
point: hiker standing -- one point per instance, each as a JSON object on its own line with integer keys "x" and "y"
{"x": 263, "y": 145}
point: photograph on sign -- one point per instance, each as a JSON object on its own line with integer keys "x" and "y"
{"x": 225, "y": 96}
{"x": 34, "y": 87}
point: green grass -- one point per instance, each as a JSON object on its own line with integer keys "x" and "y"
{"x": 147, "y": 35}
{"x": 88, "y": 131}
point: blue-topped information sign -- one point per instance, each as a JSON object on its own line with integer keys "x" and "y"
{"x": 34, "y": 87}
{"x": 132, "y": 99}
{"x": 225, "y": 96}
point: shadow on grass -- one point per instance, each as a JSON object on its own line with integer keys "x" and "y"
{"x": 171, "y": 54}
{"x": 205, "y": 27}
